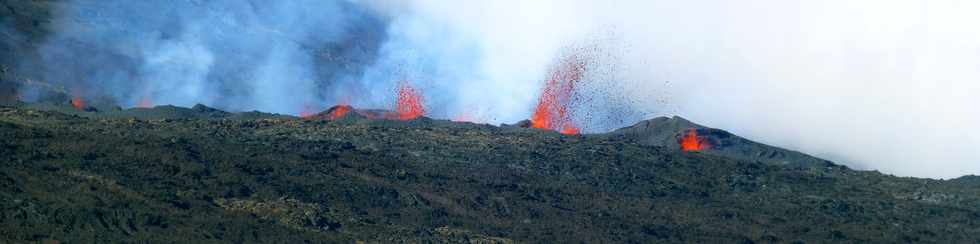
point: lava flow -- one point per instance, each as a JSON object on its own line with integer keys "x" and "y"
{"x": 691, "y": 142}
{"x": 410, "y": 104}
{"x": 553, "y": 110}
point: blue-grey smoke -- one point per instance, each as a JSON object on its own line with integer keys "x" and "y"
{"x": 303, "y": 56}
{"x": 275, "y": 56}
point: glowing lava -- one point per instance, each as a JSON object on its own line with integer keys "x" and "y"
{"x": 570, "y": 130}
{"x": 553, "y": 110}
{"x": 78, "y": 102}
{"x": 339, "y": 111}
{"x": 410, "y": 104}
{"x": 691, "y": 142}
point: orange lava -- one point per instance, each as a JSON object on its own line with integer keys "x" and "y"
{"x": 340, "y": 111}
{"x": 553, "y": 112}
{"x": 410, "y": 104}
{"x": 570, "y": 130}
{"x": 78, "y": 102}
{"x": 691, "y": 142}
{"x": 145, "y": 102}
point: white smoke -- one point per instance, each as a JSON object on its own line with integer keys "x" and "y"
{"x": 885, "y": 85}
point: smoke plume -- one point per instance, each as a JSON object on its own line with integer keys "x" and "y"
{"x": 887, "y": 85}
{"x": 238, "y": 55}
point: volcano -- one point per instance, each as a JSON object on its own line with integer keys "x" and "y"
{"x": 674, "y": 132}
{"x": 83, "y": 169}
{"x": 166, "y": 172}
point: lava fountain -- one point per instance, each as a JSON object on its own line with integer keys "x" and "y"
{"x": 339, "y": 111}
{"x": 553, "y": 111}
{"x": 691, "y": 141}
{"x": 77, "y": 101}
{"x": 410, "y": 103}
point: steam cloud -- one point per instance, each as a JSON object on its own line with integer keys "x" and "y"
{"x": 270, "y": 56}
{"x": 887, "y": 85}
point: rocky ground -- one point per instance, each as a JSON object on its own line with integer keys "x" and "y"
{"x": 171, "y": 174}
{"x": 181, "y": 177}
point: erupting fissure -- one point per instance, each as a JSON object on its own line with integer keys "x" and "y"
{"x": 691, "y": 141}
{"x": 339, "y": 111}
{"x": 554, "y": 106}
{"x": 77, "y": 101}
{"x": 410, "y": 103}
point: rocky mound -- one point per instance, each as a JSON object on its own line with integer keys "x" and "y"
{"x": 668, "y": 132}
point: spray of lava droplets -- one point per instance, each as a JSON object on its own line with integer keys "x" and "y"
{"x": 410, "y": 104}
{"x": 691, "y": 142}
{"x": 553, "y": 110}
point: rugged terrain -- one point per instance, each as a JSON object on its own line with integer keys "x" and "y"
{"x": 100, "y": 173}
{"x": 180, "y": 177}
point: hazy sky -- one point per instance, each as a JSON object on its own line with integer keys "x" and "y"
{"x": 890, "y": 85}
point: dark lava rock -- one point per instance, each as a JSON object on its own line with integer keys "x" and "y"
{"x": 209, "y": 111}
{"x": 668, "y": 132}
{"x": 108, "y": 179}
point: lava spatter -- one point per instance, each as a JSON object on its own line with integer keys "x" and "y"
{"x": 691, "y": 141}
{"x": 554, "y": 109}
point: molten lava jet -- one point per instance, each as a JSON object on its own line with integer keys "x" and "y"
{"x": 78, "y": 102}
{"x": 410, "y": 104}
{"x": 691, "y": 142}
{"x": 553, "y": 110}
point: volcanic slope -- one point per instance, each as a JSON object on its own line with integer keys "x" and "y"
{"x": 669, "y": 132}
{"x": 279, "y": 179}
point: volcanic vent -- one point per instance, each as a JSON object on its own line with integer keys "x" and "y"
{"x": 555, "y": 108}
{"x": 409, "y": 105}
